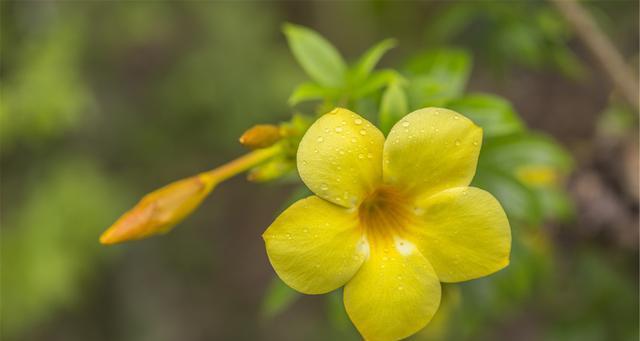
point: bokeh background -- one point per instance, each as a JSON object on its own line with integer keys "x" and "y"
{"x": 102, "y": 102}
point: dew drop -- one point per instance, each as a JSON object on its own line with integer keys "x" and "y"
{"x": 360, "y": 156}
{"x": 405, "y": 124}
{"x": 475, "y": 143}
{"x": 456, "y": 117}
{"x": 320, "y": 139}
{"x": 357, "y": 121}
{"x": 363, "y": 132}
{"x": 338, "y": 129}
{"x": 353, "y": 139}
{"x": 457, "y": 142}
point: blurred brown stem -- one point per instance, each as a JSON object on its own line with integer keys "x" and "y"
{"x": 602, "y": 48}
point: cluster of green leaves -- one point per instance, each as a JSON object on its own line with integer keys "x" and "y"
{"x": 507, "y": 34}
{"x": 523, "y": 169}
{"x": 49, "y": 248}
{"x": 43, "y": 94}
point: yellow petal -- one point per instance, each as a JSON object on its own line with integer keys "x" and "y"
{"x": 315, "y": 246}
{"x": 340, "y": 157}
{"x": 465, "y": 233}
{"x": 394, "y": 295}
{"x": 432, "y": 149}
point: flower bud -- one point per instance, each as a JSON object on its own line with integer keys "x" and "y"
{"x": 159, "y": 210}
{"x": 271, "y": 170}
{"x": 260, "y": 136}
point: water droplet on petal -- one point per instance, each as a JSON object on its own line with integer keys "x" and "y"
{"x": 363, "y": 132}
{"x": 338, "y": 129}
{"x": 320, "y": 139}
{"x": 457, "y": 142}
{"x": 357, "y": 121}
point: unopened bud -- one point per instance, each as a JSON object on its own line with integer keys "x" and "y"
{"x": 260, "y": 136}
{"x": 271, "y": 170}
{"x": 159, "y": 210}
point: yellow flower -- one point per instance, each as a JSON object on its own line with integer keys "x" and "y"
{"x": 390, "y": 219}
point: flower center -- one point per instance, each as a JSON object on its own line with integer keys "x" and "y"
{"x": 385, "y": 213}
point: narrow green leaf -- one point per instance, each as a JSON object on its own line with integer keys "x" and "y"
{"x": 494, "y": 114}
{"x": 341, "y": 326}
{"x": 437, "y": 76}
{"x": 555, "y": 203}
{"x": 393, "y": 106}
{"x": 518, "y": 201}
{"x": 510, "y": 153}
{"x": 277, "y": 298}
{"x": 370, "y": 59}
{"x": 320, "y": 60}
{"x": 376, "y": 81}
{"x": 307, "y": 92}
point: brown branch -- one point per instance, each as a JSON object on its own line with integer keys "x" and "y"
{"x": 602, "y": 48}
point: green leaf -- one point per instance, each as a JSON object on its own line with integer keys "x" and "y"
{"x": 393, "y": 106}
{"x": 555, "y": 203}
{"x": 320, "y": 60}
{"x": 437, "y": 77}
{"x": 277, "y": 298}
{"x": 494, "y": 114}
{"x": 341, "y": 326}
{"x": 307, "y": 92}
{"x": 370, "y": 58}
{"x": 376, "y": 81}
{"x": 518, "y": 201}
{"x": 510, "y": 153}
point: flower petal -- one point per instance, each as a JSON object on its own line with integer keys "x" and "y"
{"x": 432, "y": 149}
{"x": 465, "y": 233}
{"x": 394, "y": 295}
{"x": 315, "y": 246}
{"x": 340, "y": 157}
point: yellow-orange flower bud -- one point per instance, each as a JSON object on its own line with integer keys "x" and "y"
{"x": 260, "y": 136}
{"x": 159, "y": 210}
{"x": 163, "y": 208}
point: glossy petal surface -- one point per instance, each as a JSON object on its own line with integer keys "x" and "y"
{"x": 430, "y": 150}
{"x": 315, "y": 246}
{"x": 340, "y": 157}
{"x": 464, "y": 234}
{"x": 394, "y": 294}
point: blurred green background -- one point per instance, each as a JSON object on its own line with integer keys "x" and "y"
{"x": 103, "y": 102}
